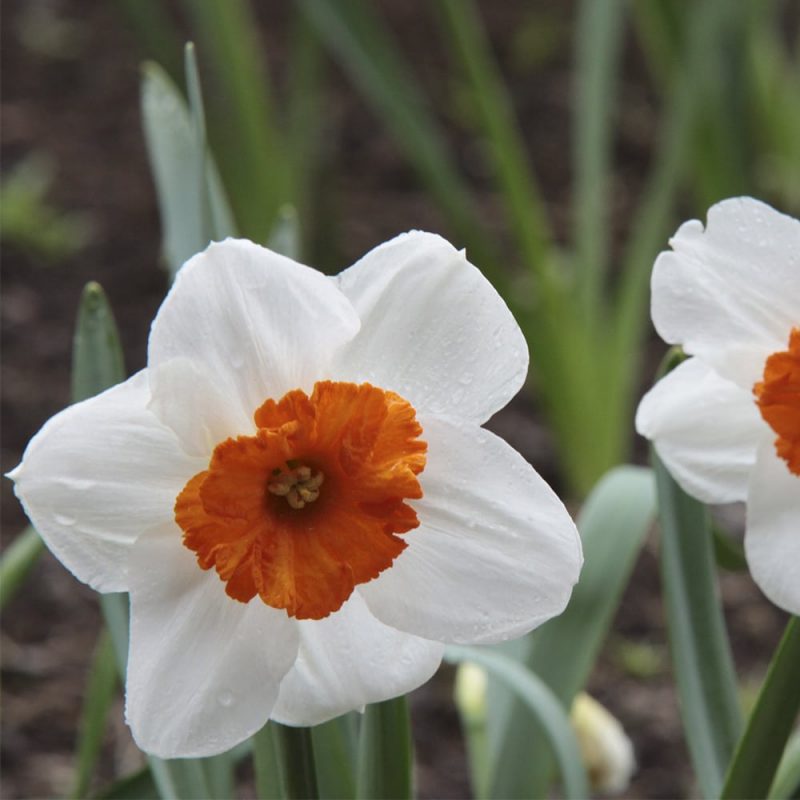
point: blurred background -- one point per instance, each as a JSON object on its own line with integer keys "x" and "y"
{"x": 560, "y": 142}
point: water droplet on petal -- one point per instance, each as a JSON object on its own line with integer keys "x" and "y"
{"x": 225, "y": 698}
{"x": 63, "y": 519}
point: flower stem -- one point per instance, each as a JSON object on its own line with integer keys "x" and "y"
{"x": 385, "y": 752}
{"x": 296, "y": 759}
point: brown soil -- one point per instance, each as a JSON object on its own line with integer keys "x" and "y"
{"x": 80, "y": 107}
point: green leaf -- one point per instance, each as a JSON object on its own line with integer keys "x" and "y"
{"x": 194, "y": 209}
{"x": 98, "y": 698}
{"x": 176, "y": 779}
{"x": 701, "y": 653}
{"x": 728, "y": 552}
{"x": 17, "y": 562}
{"x": 153, "y": 27}
{"x": 355, "y": 34}
{"x": 545, "y": 706}
{"x": 464, "y": 30}
{"x": 269, "y": 781}
{"x": 385, "y": 754}
{"x": 97, "y": 364}
{"x": 786, "y": 784}
{"x": 613, "y": 524}
{"x": 295, "y": 751}
{"x": 334, "y": 757}
{"x": 97, "y": 361}
{"x": 758, "y": 752}
{"x": 598, "y": 45}
{"x": 246, "y": 137}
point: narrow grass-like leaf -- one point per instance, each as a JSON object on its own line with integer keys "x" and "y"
{"x": 385, "y": 754}
{"x": 701, "y": 653}
{"x": 191, "y": 200}
{"x": 304, "y": 124}
{"x": 97, "y": 361}
{"x": 466, "y": 34}
{"x": 334, "y": 757}
{"x": 99, "y": 696}
{"x": 597, "y": 50}
{"x": 353, "y": 31}
{"x": 97, "y": 364}
{"x": 155, "y": 30}
{"x": 650, "y": 225}
{"x": 758, "y": 753}
{"x": 613, "y": 524}
{"x": 295, "y": 751}
{"x": 269, "y": 781}
{"x": 540, "y": 700}
{"x": 219, "y": 775}
{"x": 244, "y": 131}
{"x": 137, "y": 786}
{"x": 787, "y": 777}
{"x": 178, "y": 779}
{"x": 18, "y": 560}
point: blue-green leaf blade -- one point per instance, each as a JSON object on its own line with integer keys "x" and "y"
{"x": 545, "y": 706}
{"x": 701, "y": 652}
{"x": 613, "y": 524}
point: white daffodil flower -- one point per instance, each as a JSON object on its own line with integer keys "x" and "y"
{"x": 298, "y": 494}
{"x": 726, "y": 422}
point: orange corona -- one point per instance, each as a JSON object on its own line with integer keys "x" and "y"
{"x": 314, "y": 503}
{"x": 778, "y": 399}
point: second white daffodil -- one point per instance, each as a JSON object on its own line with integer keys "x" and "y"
{"x": 726, "y": 422}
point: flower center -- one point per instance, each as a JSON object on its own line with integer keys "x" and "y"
{"x": 778, "y": 399}
{"x": 298, "y": 485}
{"x": 311, "y": 505}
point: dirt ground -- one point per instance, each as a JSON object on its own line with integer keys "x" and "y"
{"x": 77, "y": 104}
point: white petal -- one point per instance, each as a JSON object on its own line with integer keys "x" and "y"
{"x": 193, "y": 404}
{"x": 496, "y": 553}
{"x": 706, "y": 430}
{"x": 256, "y": 323}
{"x": 433, "y": 329}
{"x": 350, "y": 659}
{"x": 97, "y": 475}
{"x": 772, "y": 538}
{"x": 730, "y": 293}
{"x": 203, "y": 669}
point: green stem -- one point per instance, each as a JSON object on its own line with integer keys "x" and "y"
{"x": 385, "y": 752}
{"x": 759, "y": 750}
{"x": 296, "y": 758}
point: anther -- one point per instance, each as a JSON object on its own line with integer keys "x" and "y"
{"x": 299, "y": 485}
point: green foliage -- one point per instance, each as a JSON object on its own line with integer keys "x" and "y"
{"x": 385, "y": 755}
{"x": 540, "y": 701}
{"x": 758, "y": 752}
{"x": 29, "y": 222}
{"x": 194, "y": 210}
{"x": 701, "y": 653}
{"x": 613, "y": 524}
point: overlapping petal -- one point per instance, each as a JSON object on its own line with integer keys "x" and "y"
{"x": 706, "y": 430}
{"x": 432, "y": 329}
{"x": 99, "y": 474}
{"x": 730, "y": 293}
{"x": 203, "y": 670}
{"x": 348, "y": 660}
{"x": 496, "y": 553}
{"x": 256, "y": 323}
{"x": 772, "y": 540}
